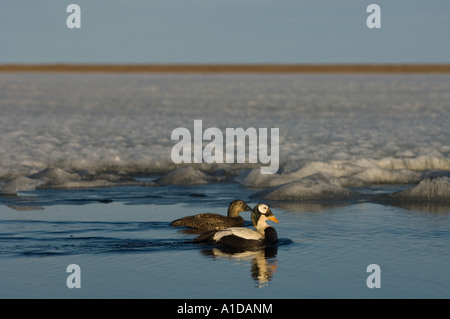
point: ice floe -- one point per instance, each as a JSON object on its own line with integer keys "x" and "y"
{"x": 428, "y": 190}
{"x": 18, "y": 184}
{"x": 184, "y": 176}
{"x": 314, "y": 187}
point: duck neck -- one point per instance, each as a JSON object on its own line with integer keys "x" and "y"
{"x": 261, "y": 226}
{"x": 233, "y": 213}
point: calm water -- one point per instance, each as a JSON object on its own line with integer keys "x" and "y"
{"x": 121, "y": 239}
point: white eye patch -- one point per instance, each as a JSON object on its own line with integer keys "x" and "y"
{"x": 263, "y": 208}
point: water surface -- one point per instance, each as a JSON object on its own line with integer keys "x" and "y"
{"x": 122, "y": 241}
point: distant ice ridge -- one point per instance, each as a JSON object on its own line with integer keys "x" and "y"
{"x": 318, "y": 186}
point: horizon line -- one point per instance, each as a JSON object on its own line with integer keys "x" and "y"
{"x": 228, "y": 67}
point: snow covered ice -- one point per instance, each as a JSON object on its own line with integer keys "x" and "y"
{"x": 89, "y": 130}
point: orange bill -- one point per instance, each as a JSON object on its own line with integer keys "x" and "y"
{"x": 273, "y": 218}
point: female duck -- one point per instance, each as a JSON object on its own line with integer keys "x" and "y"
{"x": 245, "y": 238}
{"x": 210, "y": 221}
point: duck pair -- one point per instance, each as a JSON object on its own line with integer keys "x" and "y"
{"x": 226, "y": 230}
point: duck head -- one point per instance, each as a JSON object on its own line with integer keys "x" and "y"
{"x": 260, "y": 214}
{"x": 236, "y": 207}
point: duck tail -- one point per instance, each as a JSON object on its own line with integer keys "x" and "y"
{"x": 176, "y": 223}
{"x": 206, "y": 237}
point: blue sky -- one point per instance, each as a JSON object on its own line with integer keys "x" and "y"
{"x": 224, "y": 31}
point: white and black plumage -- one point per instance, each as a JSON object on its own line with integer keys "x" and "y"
{"x": 245, "y": 238}
{"x": 210, "y": 221}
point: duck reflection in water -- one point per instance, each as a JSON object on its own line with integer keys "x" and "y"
{"x": 263, "y": 261}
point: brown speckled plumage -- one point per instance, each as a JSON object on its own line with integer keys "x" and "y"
{"x": 210, "y": 221}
